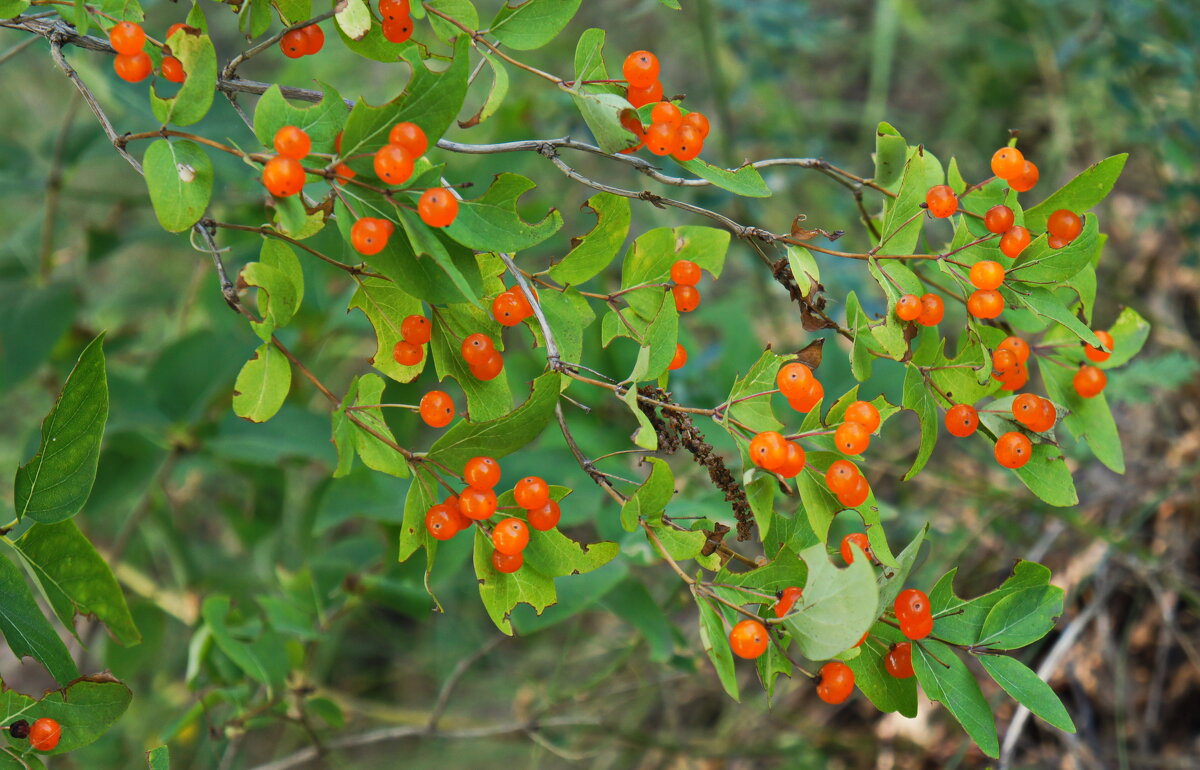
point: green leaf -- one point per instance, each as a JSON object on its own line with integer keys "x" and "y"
{"x": 819, "y": 504}
{"x": 921, "y": 171}
{"x": 1039, "y": 263}
{"x": 1028, "y": 689}
{"x": 486, "y": 400}
{"x": 293, "y": 11}
{"x": 891, "y": 579}
{"x": 1047, "y": 476}
{"x": 386, "y": 305}
{"x": 757, "y": 412}
{"x": 426, "y": 242}
{"x": 659, "y": 341}
{"x": 589, "y": 62}
{"x": 422, "y": 495}
{"x": 321, "y": 121}
{"x": 263, "y": 659}
{"x": 918, "y": 398}
{"x": 837, "y": 607}
{"x": 650, "y": 258}
{"x": 744, "y": 181}
{"x": 885, "y": 691}
{"x": 1021, "y": 618}
{"x": 1081, "y": 193}
{"x": 595, "y": 251}
{"x": 632, "y": 603}
{"x": 32, "y": 320}
{"x": 75, "y": 578}
{"x": 959, "y": 621}
{"x": 375, "y": 453}
{"x": 716, "y": 643}
{"x": 650, "y": 499}
{"x": 502, "y": 592}
{"x": 602, "y": 113}
{"x": 532, "y": 23}
{"x": 645, "y": 436}
{"x": 1130, "y": 333}
{"x": 496, "y": 93}
{"x": 294, "y": 220}
{"x": 1089, "y": 419}
{"x": 890, "y": 153}
{"x": 1045, "y": 304}
{"x": 353, "y": 18}
{"x": 568, "y": 314}
{"x": 179, "y": 177}
{"x": 431, "y": 100}
{"x": 804, "y": 269}
{"x": 195, "y": 96}
{"x": 953, "y": 685}
{"x": 492, "y": 223}
{"x": 760, "y": 493}
{"x": 262, "y": 385}
{"x": 56, "y": 481}
{"x": 11, "y": 8}
{"x": 26, "y": 629}
{"x": 159, "y": 758}
{"x": 277, "y": 298}
{"x": 860, "y": 353}
{"x": 85, "y": 709}
{"x": 504, "y": 435}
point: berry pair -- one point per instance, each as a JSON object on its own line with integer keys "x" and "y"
{"x": 43, "y": 734}
{"x": 437, "y": 408}
{"x": 673, "y": 133}
{"x": 685, "y": 274}
{"x": 1009, "y": 164}
{"x": 511, "y": 535}
{"x": 397, "y": 20}
{"x": 926, "y": 310}
{"x": 799, "y": 386}
{"x": 770, "y": 451}
{"x": 848, "y": 484}
{"x": 1034, "y": 412}
{"x": 864, "y": 545}
{"x": 511, "y": 307}
{"x": 913, "y": 613}
{"x": 985, "y": 302}
{"x": 853, "y": 436}
{"x": 481, "y": 356}
{"x": 641, "y": 72}
{"x": 369, "y": 235}
{"x": 394, "y": 161}
{"x": 303, "y": 41}
{"x": 415, "y": 331}
{"x": 446, "y": 519}
{"x": 1009, "y": 363}
{"x": 1001, "y": 221}
{"x": 283, "y": 175}
{"x": 1062, "y": 227}
{"x": 132, "y": 63}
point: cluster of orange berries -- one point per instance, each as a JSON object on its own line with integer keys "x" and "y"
{"x": 477, "y": 502}
{"x": 670, "y": 131}
{"x": 43, "y": 734}
{"x": 283, "y": 175}
{"x": 133, "y": 64}
{"x": 415, "y": 332}
{"x": 302, "y": 41}
{"x": 511, "y": 307}
{"x": 397, "y": 20}
{"x": 927, "y": 310}
{"x": 685, "y": 274}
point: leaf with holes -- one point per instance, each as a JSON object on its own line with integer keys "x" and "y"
{"x": 492, "y": 223}
{"x": 593, "y": 252}
{"x": 195, "y": 96}
{"x": 386, "y": 305}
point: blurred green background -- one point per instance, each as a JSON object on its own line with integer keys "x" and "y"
{"x": 194, "y": 502}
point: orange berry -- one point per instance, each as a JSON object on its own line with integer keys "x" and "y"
{"x": 1014, "y": 242}
{"x": 685, "y": 272}
{"x": 987, "y": 274}
{"x": 441, "y": 522}
{"x": 489, "y": 368}
{"x": 398, "y": 31}
{"x": 855, "y": 538}
{"x": 481, "y": 473}
{"x": 1013, "y": 449}
{"x": 749, "y": 639}
{"x": 475, "y": 348}
{"x": 503, "y": 562}
{"x": 768, "y": 450}
{"x": 661, "y": 138}
{"x": 908, "y": 307}
{"x": 437, "y": 409}
{"x": 932, "y": 310}
{"x": 411, "y": 137}
{"x": 698, "y": 122}
{"x": 394, "y": 10}
{"x": 941, "y": 201}
{"x": 666, "y": 112}
{"x": 1017, "y": 346}
{"x": 1096, "y": 354}
{"x": 416, "y": 329}
{"x": 344, "y": 172}
{"x": 794, "y": 379}
{"x": 794, "y": 462}
{"x": 294, "y": 43}
{"x": 1027, "y": 179}
{"x": 911, "y": 603}
{"x": 918, "y": 627}
{"x": 283, "y": 177}
{"x": 172, "y": 69}
{"x": 314, "y": 39}
{"x": 368, "y": 235}
{"x": 510, "y": 536}
{"x": 640, "y": 69}
{"x": 133, "y": 68}
{"x": 1089, "y": 381}
{"x": 171, "y": 30}
{"x": 292, "y": 142}
{"x": 679, "y": 359}
{"x": 1027, "y": 408}
{"x": 44, "y": 734}
{"x": 1014, "y": 379}
{"x": 787, "y": 599}
{"x": 1064, "y": 224}
{"x": 898, "y": 661}
{"x": 864, "y": 413}
{"x": 688, "y": 144}
{"x": 633, "y": 124}
{"x": 840, "y": 476}
{"x": 393, "y": 164}
{"x": 438, "y": 207}
{"x": 640, "y": 96}
{"x": 477, "y": 504}
{"x": 857, "y": 494}
{"x": 852, "y": 438}
{"x": 687, "y": 298}
{"x": 985, "y": 303}
{"x": 805, "y": 402}
{"x": 506, "y": 309}
{"x": 961, "y": 420}
{"x": 127, "y": 38}
{"x": 546, "y": 517}
{"x": 835, "y": 683}
{"x": 1054, "y": 242}
{"x": 531, "y": 492}
{"x": 998, "y": 219}
{"x": 1046, "y": 418}
{"x": 1008, "y": 162}
{"x": 407, "y": 354}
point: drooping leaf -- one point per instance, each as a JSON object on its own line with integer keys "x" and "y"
{"x": 1047, "y": 476}
{"x": 373, "y": 445}
{"x": 496, "y": 94}
{"x": 486, "y": 399}
{"x": 159, "y": 758}
{"x": 56, "y": 481}
{"x": 745, "y": 181}
{"x": 26, "y": 629}
{"x": 263, "y": 659}
{"x": 716, "y": 643}
{"x": 179, "y": 177}
{"x": 890, "y": 155}
{"x": 502, "y": 592}
{"x": 918, "y": 398}
{"x": 1028, "y": 689}
{"x": 903, "y": 214}
{"x": 945, "y": 678}
{"x": 1089, "y": 419}
{"x": 650, "y": 499}
{"x": 1044, "y": 303}
{"x": 386, "y": 305}
{"x": 321, "y": 121}
{"x": 885, "y": 691}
